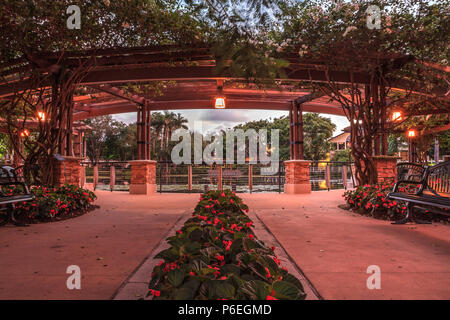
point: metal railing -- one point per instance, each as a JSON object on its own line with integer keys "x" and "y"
{"x": 196, "y": 178}
{"x": 107, "y": 175}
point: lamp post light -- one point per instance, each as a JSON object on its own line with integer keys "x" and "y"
{"x": 41, "y": 115}
{"x": 396, "y": 116}
{"x": 411, "y": 134}
{"x": 24, "y": 133}
{"x": 219, "y": 103}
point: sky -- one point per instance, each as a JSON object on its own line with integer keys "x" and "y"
{"x": 213, "y": 120}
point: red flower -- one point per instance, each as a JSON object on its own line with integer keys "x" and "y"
{"x": 268, "y": 275}
{"x": 227, "y": 244}
{"x": 271, "y": 298}
{"x": 192, "y": 273}
{"x": 251, "y": 236}
{"x": 220, "y": 258}
{"x": 155, "y": 293}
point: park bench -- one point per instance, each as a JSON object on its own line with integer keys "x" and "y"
{"x": 433, "y": 189}
{"x": 9, "y": 178}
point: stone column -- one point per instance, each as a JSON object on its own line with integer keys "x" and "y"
{"x": 67, "y": 171}
{"x": 297, "y": 177}
{"x": 386, "y": 167}
{"x": 143, "y": 177}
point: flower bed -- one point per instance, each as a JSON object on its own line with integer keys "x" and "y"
{"x": 51, "y": 202}
{"x": 372, "y": 200}
{"x": 216, "y": 255}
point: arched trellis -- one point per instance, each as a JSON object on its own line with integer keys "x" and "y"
{"x": 170, "y": 63}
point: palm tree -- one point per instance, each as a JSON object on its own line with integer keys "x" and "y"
{"x": 157, "y": 129}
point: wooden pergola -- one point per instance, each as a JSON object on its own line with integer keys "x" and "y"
{"x": 198, "y": 82}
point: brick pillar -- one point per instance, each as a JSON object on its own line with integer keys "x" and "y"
{"x": 386, "y": 167}
{"x": 143, "y": 177}
{"x": 297, "y": 177}
{"x": 67, "y": 171}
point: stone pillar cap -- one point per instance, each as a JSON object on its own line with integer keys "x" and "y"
{"x": 298, "y": 161}
{"x": 142, "y": 161}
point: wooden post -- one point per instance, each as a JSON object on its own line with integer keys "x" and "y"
{"x": 250, "y": 177}
{"x": 84, "y": 146}
{"x": 189, "y": 177}
{"x": 148, "y": 136}
{"x": 344, "y": 176}
{"x": 291, "y": 134}
{"x": 82, "y": 176}
{"x": 295, "y": 130}
{"x": 327, "y": 176}
{"x": 139, "y": 124}
{"x": 300, "y": 133}
{"x": 95, "y": 177}
{"x": 112, "y": 177}
{"x": 219, "y": 177}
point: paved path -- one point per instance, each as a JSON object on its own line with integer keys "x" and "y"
{"x": 107, "y": 244}
{"x": 334, "y": 247}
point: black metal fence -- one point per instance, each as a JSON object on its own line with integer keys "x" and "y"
{"x": 195, "y": 178}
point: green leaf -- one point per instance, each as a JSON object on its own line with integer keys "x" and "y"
{"x": 291, "y": 279}
{"x": 230, "y": 269}
{"x": 175, "y": 277}
{"x": 196, "y": 234}
{"x": 255, "y": 290}
{"x": 169, "y": 254}
{"x": 285, "y": 290}
{"x": 183, "y": 294}
{"x": 220, "y": 289}
{"x": 225, "y": 290}
{"x": 192, "y": 247}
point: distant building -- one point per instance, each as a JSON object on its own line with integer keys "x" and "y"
{"x": 341, "y": 141}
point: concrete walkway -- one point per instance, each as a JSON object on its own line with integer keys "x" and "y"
{"x": 331, "y": 246}
{"x": 334, "y": 247}
{"x": 107, "y": 244}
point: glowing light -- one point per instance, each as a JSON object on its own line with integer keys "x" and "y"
{"x": 412, "y": 133}
{"x": 269, "y": 150}
{"x": 41, "y": 115}
{"x": 220, "y": 103}
{"x": 396, "y": 116}
{"x": 25, "y": 133}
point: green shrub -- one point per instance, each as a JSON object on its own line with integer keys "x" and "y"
{"x": 372, "y": 200}
{"x": 216, "y": 255}
{"x": 52, "y": 202}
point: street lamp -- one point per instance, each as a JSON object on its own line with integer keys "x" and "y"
{"x": 396, "y": 116}
{"x": 411, "y": 145}
{"x": 219, "y": 103}
{"x": 24, "y": 133}
{"x": 41, "y": 115}
{"x": 412, "y": 133}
